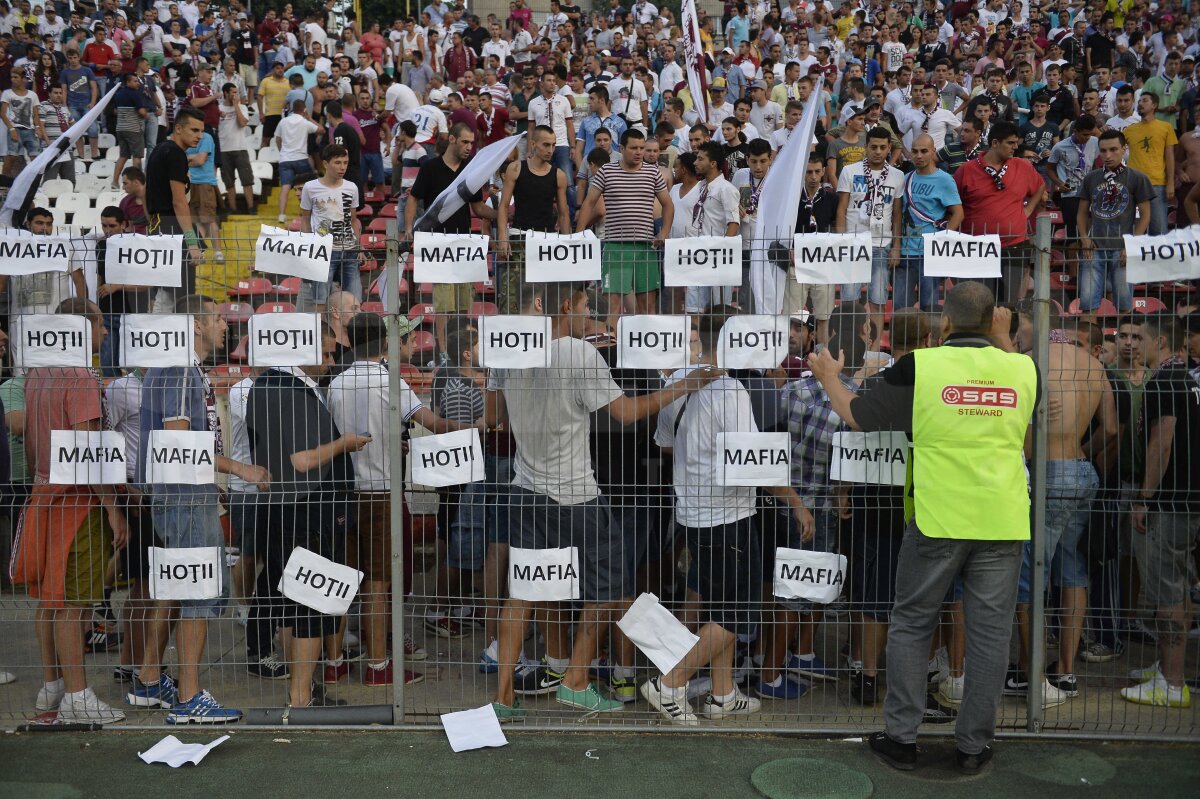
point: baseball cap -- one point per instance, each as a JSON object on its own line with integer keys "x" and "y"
{"x": 869, "y": 104}
{"x": 728, "y": 50}
{"x": 804, "y": 318}
{"x": 606, "y": 53}
{"x": 718, "y": 84}
{"x": 759, "y": 84}
{"x": 436, "y": 97}
{"x": 858, "y": 112}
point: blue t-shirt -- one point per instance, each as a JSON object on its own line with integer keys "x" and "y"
{"x": 1023, "y": 98}
{"x": 932, "y": 195}
{"x": 592, "y": 123}
{"x": 79, "y": 86}
{"x": 171, "y": 393}
{"x": 206, "y": 173}
{"x": 1071, "y": 161}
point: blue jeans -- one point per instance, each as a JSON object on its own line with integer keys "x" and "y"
{"x": 562, "y": 160}
{"x": 478, "y": 520}
{"x": 907, "y": 279}
{"x": 77, "y": 113}
{"x": 23, "y": 140}
{"x": 372, "y": 168}
{"x": 877, "y": 290}
{"x": 1158, "y": 210}
{"x": 1104, "y": 269}
{"x": 184, "y": 521}
{"x": 110, "y": 347}
{"x": 343, "y": 270}
{"x": 151, "y": 132}
{"x": 1070, "y": 490}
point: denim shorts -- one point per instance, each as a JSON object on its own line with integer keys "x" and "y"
{"x": 786, "y": 533}
{"x": 477, "y": 522}
{"x": 881, "y": 276}
{"x": 289, "y": 171}
{"x": 186, "y": 522}
{"x": 1070, "y": 490}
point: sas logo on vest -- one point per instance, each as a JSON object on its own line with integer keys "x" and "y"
{"x": 991, "y": 397}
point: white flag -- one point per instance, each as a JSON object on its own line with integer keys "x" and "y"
{"x": 693, "y": 56}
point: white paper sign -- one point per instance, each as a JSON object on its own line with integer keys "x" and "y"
{"x": 662, "y": 638}
{"x": 150, "y": 340}
{"x": 703, "y": 261}
{"x": 544, "y": 575}
{"x": 23, "y": 253}
{"x": 879, "y": 458}
{"x": 755, "y": 459}
{"x": 653, "y": 342}
{"x": 87, "y": 457}
{"x": 285, "y": 339}
{"x": 52, "y": 340}
{"x": 187, "y": 573}
{"x": 555, "y": 258}
{"x": 283, "y": 252}
{"x": 804, "y": 574}
{"x": 137, "y": 260}
{"x": 447, "y": 459}
{"x": 753, "y": 342}
{"x": 473, "y": 729}
{"x": 319, "y": 583}
{"x": 450, "y": 257}
{"x": 181, "y": 457}
{"x": 949, "y": 253}
{"x": 831, "y": 258}
{"x": 514, "y": 342}
{"x": 1175, "y": 255}
{"x": 175, "y": 753}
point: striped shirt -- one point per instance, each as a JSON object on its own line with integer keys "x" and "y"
{"x": 629, "y": 200}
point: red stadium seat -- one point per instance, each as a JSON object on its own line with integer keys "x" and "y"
{"x": 423, "y": 309}
{"x": 252, "y": 287}
{"x": 290, "y": 286}
{"x": 374, "y": 307}
{"x": 1149, "y": 305}
{"x": 373, "y": 241}
{"x": 484, "y": 309}
{"x": 1106, "y": 308}
{"x": 275, "y": 307}
{"x": 423, "y": 342}
{"x": 389, "y": 211}
{"x": 235, "y": 313}
{"x": 377, "y": 225}
{"x": 242, "y": 351}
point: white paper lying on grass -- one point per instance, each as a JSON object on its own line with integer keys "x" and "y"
{"x": 473, "y": 729}
{"x": 175, "y": 753}
{"x": 661, "y": 637}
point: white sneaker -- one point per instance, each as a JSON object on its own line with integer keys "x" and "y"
{"x": 939, "y": 665}
{"x": 951, "y": 689}
{"x": 6, "y": 677}
{"x": 49, "y": 698}
{"x": 219, "y": 257}
{"x": 87, "y": 707}
{"x": 672, "y": 703}
{"x": 1145, "y": 673}
{"x": 699, "y": 687}
{"x": 282, "y": 219}
{"x": 740, "y": 705}
{"x": 1158, "y": 692}
{"x": 1051, "y": 695}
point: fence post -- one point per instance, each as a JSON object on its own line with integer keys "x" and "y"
{"x": 1037, "y": 472}
{"x": 396, "y": 459}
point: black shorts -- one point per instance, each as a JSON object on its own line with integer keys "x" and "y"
{"x": 877, "y": 530}
{"x": 726, "y": 571}
{"x": 291, "y": 525}
{"x": 1070, "y": 212}
{"x": 135, "y": 557}
{"x": 269, "y": 124}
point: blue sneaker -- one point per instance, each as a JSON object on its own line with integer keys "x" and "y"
{"x": 814, "y": 669}
{"x": 487, "y": 663}
{"x": 202, "y": 709}
{"x": 156, "y": 694}
{"x": 787, "y": 689}
{"x": 600, "y": 670}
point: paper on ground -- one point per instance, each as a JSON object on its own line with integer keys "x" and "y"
{"x": 661, "y": 637}
{"x": 473, "y": 729}
{"x": 175, "y": 753}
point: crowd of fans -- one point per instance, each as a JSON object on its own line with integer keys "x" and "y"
{"x": 930, "y": 116}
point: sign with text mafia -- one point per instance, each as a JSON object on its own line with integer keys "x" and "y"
{"x": 753, "y": 342}
{"x": 805, "y": 574}
{"x": 52, "y": 340}
{"x": 556, "y": 257}
{"x": 285, "y": 339}
{"x": 87, "y": 457}
{"x": 755, "y": 459}
{"x": 703, "y": 261}
{"x": 447, "y": 459}
{"x": 652, "y": 341}
{"x": 948, "y": 253}
{"x": 24, "y": 253}
{"x": 877, "y": 458}
{"x": 133, "y": 259}
{"x": 181, "y": 457}
{"x": 157, "y": 340}
{"x": 279, "y": 251}
{"x": 187, "y": 573}
{"x": 514, "y": 341}
{"x": 450, "y": 257}
{"x": 832, "y": 258}
{"x": 544, "y": 575}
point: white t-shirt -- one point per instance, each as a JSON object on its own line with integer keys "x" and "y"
{"x": 874, "y": 213}
{"x": 401, "y": 101}
{"x": 153, "y": 41}
{"x": 723, "y": 406}
{"x": 719, "y": 209}
{"x": 1118, "y": 123}
{"x": 332, "y": 211}
{"x": 233, "y": 135}
{"x": 521, "y": 43}
{"x": 239, "y": 436}
{"x": 293, "y": 132}
{"x": 430, "y": 121}
{"x": 553, "y": 112}
{"x": 123, "y": 402}
{"x": 627, "y": 96}
{"x": 550, "y": 411}
{"x": 766, "y": 118}
{"x": 683, "y": 209}
{"x": 498, "y": 48}
{"x": 359, "y": 399}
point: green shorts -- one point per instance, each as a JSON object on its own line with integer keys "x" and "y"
{"x": 629, "y": 266}
{"x": 87, "y": 562}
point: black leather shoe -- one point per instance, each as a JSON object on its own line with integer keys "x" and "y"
{"x": 893, "y": 753}
{"x": 973, "y": 764}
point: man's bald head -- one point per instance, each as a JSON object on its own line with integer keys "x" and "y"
{"x": 923, "y": 140}
{"x": 969, "y": 307}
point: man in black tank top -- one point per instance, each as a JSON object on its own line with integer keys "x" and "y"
{"x": 538, "y": 191}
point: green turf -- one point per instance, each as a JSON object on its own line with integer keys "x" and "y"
{"x": 299, "y": 764}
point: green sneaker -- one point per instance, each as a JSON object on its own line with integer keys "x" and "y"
{"x": 505, "y": 713}
{"x": 587, "y": 699}
{"x": 624, "y": 691}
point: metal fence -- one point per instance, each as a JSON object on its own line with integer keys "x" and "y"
{"x": 436, "y": 558}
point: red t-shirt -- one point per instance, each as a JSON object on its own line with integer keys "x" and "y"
{"x": 97, "y": 56}
{"x": 212, "y": 111}
{"x": 57, "y": 398}
{"x": 988, "y": 210}
{"x": 492, "y": 129}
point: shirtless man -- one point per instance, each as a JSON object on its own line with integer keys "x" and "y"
{"x": 1189, "y": 171}
{"x": 1076, "y": 389}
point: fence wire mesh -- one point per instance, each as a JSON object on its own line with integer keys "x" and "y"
{"x": 590, "y": 454}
